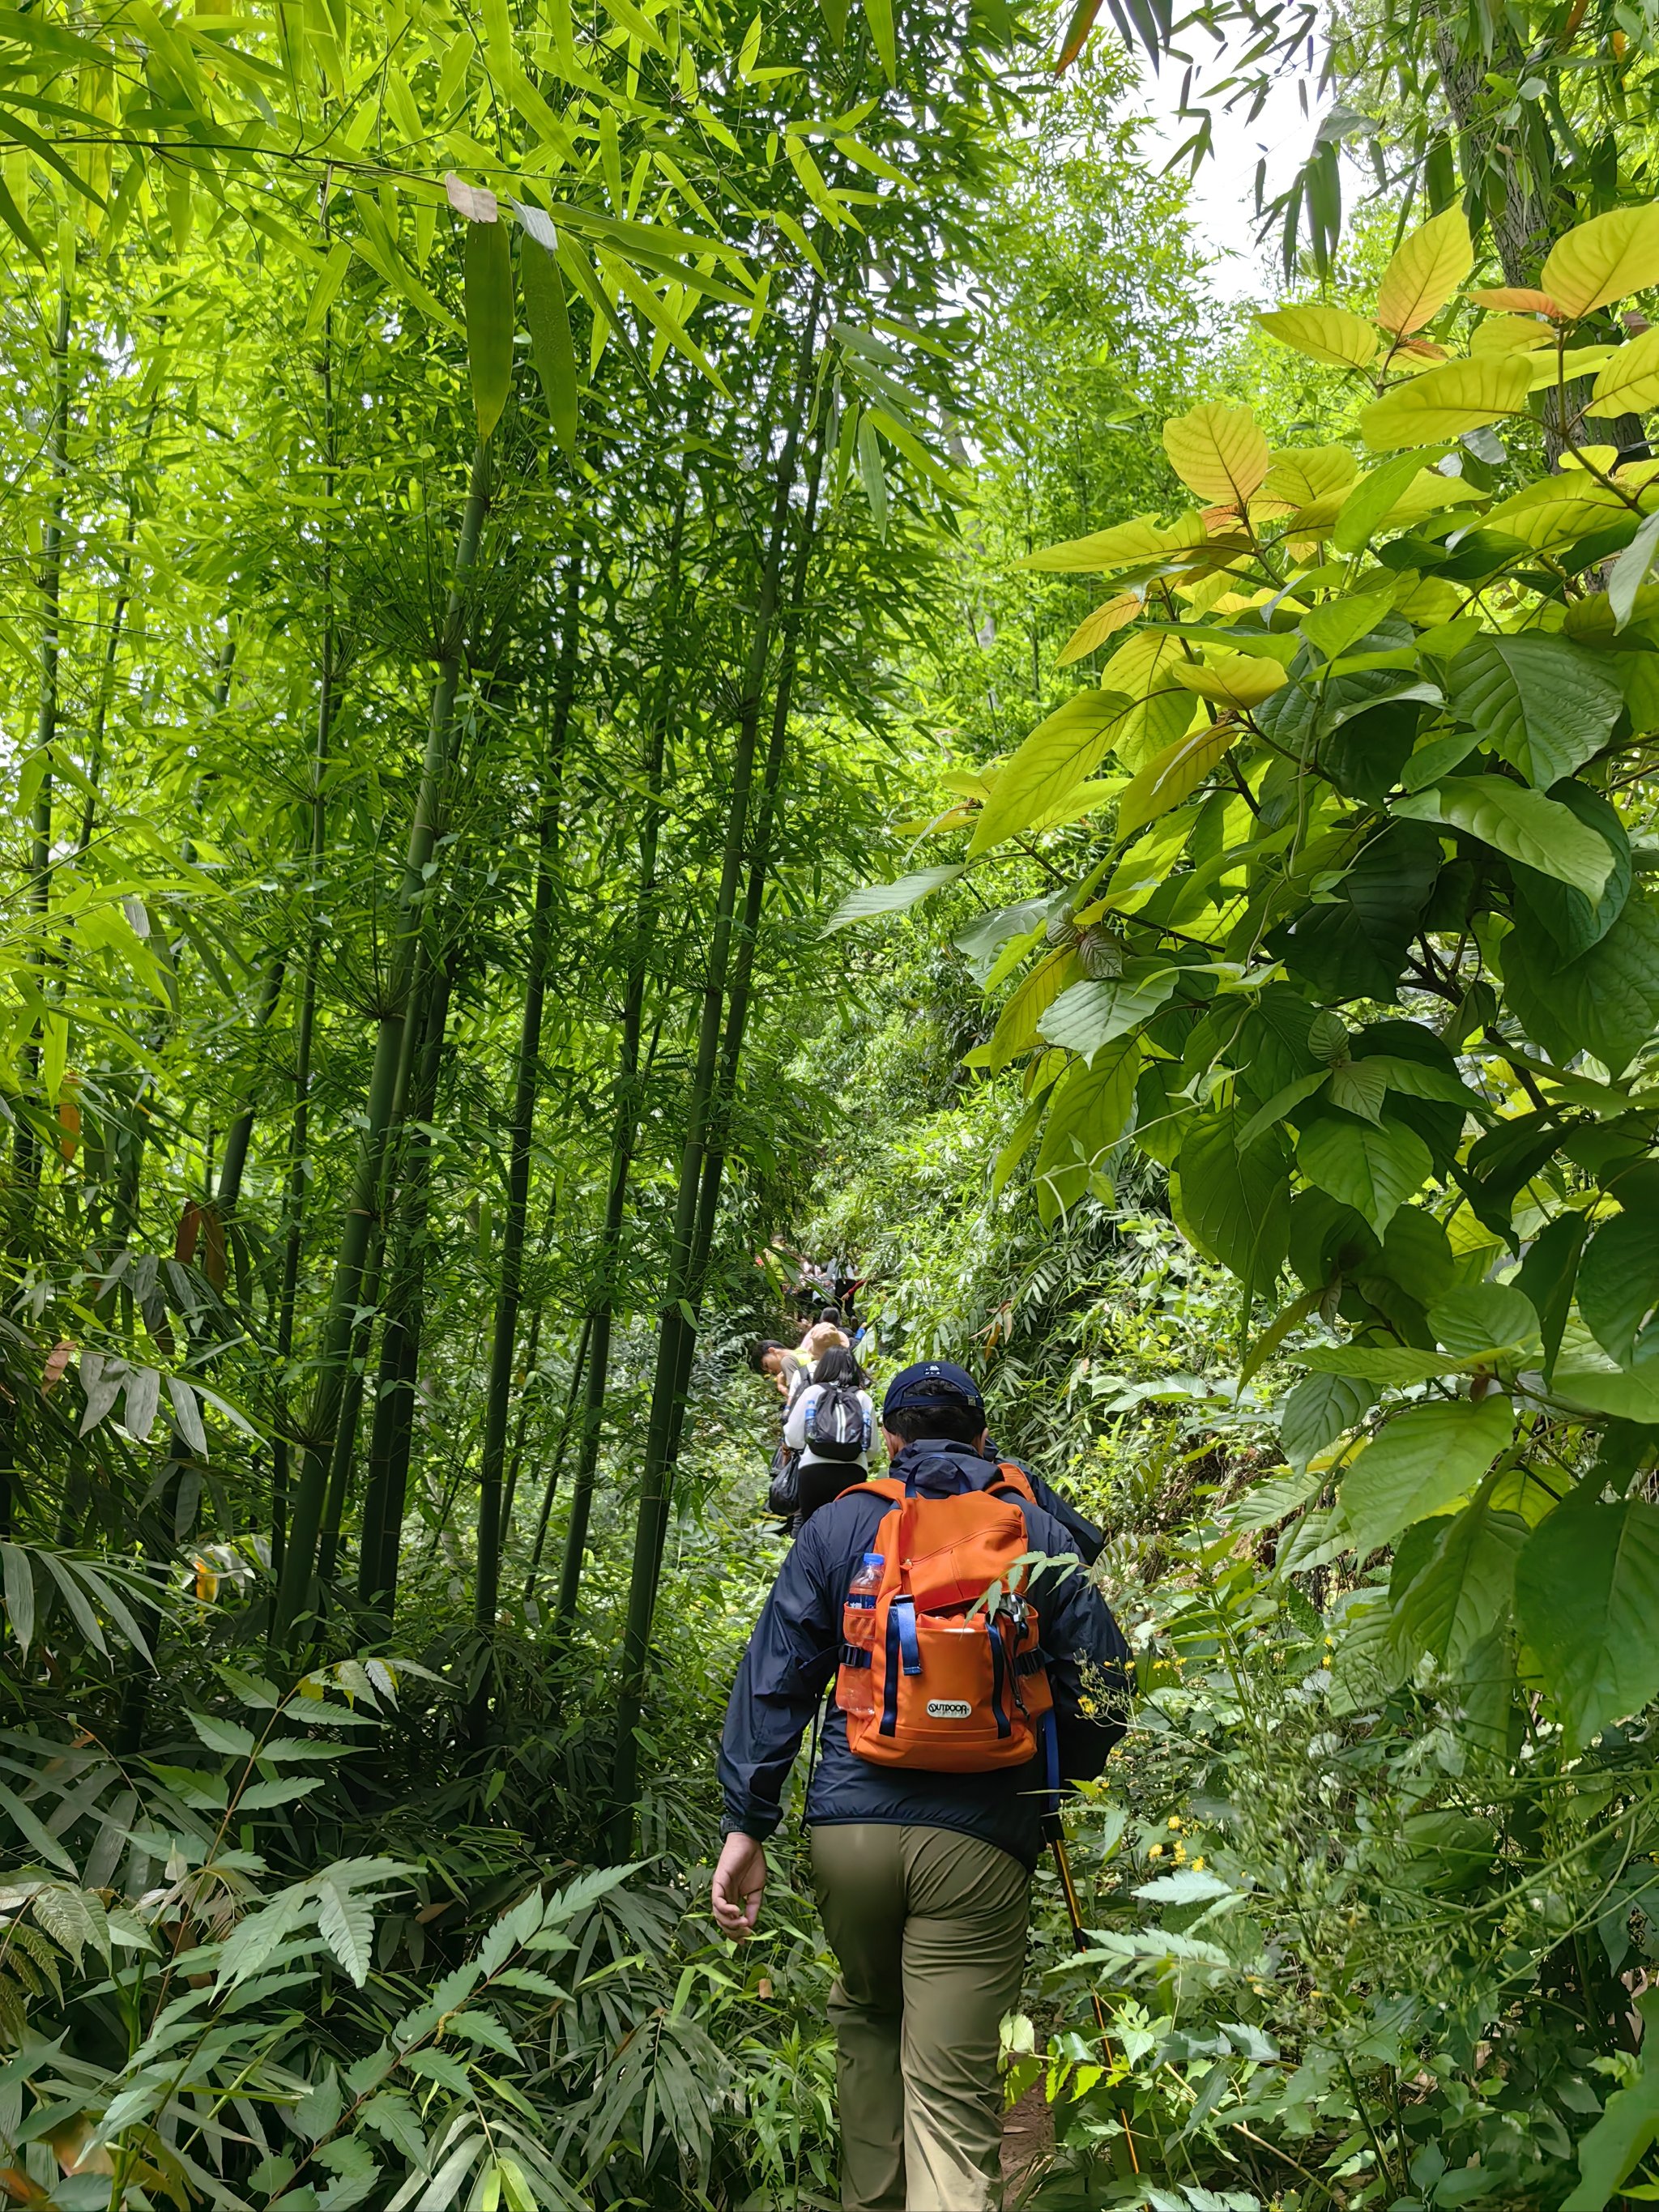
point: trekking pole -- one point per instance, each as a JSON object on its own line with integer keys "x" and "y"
{"x": 1079, "y": 1942}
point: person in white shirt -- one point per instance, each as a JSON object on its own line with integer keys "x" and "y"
{"x": 824, "y": 1474}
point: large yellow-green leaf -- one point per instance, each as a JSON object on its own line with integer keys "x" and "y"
{"x": 1555, "y": 510}
{"x": 1545, "y": 369}
{"x": 1219, "y": 453}
{"x": 1115, "y": 614}
{"x": 1631, "y": 380}
{"x": 489, "y": 274}
{"x": 1142, "y": 670}
{"x": 1542, "y": 703}
{"x": 1232, "y": 679}
{"x": 1327, "y": 334}
{"x": 1510, "y": 334}
{"x": 1426, "y": 269}
{"x": 1444, "y": 403}
{"x": 1121, "y": 547}
{"x": 1062, "y": 751}
{"x": 1427, "y": 1458}
{"x": 1175, "y": 774}
{"x": 1300, "y": 479}
{"x": 1017, "y": 1025}
{"x": 1604, "y": 259}
{"x": 870, "y": 899}
{"x": 1587, "y": 1597}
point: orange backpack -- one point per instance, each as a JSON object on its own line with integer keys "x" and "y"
{"x": 930, "y": 1676}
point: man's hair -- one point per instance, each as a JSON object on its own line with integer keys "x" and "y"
{"x": 757, "y": 1355}
{"x": 832, "y": 1314}
{"x": 952, "y": 1419}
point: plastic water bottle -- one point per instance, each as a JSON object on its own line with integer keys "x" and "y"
{"x": 866, "y": 1585}
{"x": 857, "y": 1693}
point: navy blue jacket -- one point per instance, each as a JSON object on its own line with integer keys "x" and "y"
{"x": 794, "y": 1650}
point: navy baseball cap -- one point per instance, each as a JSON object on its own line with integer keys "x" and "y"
{"x": 931, "y": 1382}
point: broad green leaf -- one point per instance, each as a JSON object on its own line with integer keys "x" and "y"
{"x": 1372, "y": 1167}
{"x": 1483, "y": 1317}
{"x": 1604, "y": 259}
{"x": 1607, "y": 1001}
{"x": 1087, "y": 1118}
{"x": 1618, "y": 1281}
{"x": 1219, "y": 453}
{"x": 1280, "y": 1105}
{"x": 1424, "y": 273}
{"x": 1426, "y": 1458}
{"x": 1391, "y": 1366}
{"x": 1327, "y": 334}
{"x": 1237, "y": 1203}
{"x": 1175, "y": 774}
{"x": 1585, "y": 1376}
{"x": 870, "y": 899}
{"x": 1064, "y": 748}
{"x": 1610, "y": 2152}
{"x": 1444, "y": 403}
{"x": 1335, "y": 624}
{"x": 1087, "y": 1016}
{"x": 548, "y": 322}
{"x": 1575, "y": 921}
{"x": 488, "y": 273}
{"x": 1549, "y": 1276}
{"x": 1520, "y": 824}
{"x": 229, "y": 1738}
{"x": 1542, "y": 702}
{"x": 1369, "y": 505}
{"x": 1587, "y": 1598}
{"x": 1462, "y": 1589}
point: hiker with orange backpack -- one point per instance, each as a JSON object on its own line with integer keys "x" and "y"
{"x": 969, "y": 1685}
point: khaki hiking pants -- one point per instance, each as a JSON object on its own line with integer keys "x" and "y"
{"x": 928, "y": 1927}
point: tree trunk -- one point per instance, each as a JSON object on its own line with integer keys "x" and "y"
{"x": 578, "y": 1368}
{"x": 293, "y": 1590}
{"x": 651, "y": 1528}
{"x": 492, "y": 1532}
{"x": 625, "y": 1134}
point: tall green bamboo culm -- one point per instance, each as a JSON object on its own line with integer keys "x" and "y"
{"x": 497, "y": 1404}
{"x": 293, "y": 1588}
{"x": 625, "y": 1126}
{"x": 391, "y": 1432}
{"x": 743, "y": 965}
{"x": 651, "y": 1527}
{"x": 27, "y": 1146}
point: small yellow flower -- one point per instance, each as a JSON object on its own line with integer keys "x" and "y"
{"x": 1180, "y": 1855}
{"x": 1156, "y": 1852}
{"x": 1175, "y": 1819}
{"x": 1198, "y": 1865}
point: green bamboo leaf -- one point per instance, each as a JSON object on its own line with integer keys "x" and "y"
{"x": 878, "y": 13}
{"x": 19, "y": 1594}
{"x": 488, "y": 270}
{"x": 549, "y": 321}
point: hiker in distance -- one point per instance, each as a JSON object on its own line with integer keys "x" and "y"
{"x": 830, "y": 1428}
{"x": 953, "y": 1727}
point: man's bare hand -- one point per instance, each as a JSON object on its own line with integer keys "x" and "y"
{"x": 735, "y": 1892}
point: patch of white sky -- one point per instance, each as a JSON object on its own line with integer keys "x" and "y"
{"x": 1223, "y": 193}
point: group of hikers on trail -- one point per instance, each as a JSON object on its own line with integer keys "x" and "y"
{"x": 976, "y": 1671}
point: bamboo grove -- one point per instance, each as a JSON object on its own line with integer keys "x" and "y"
{"x": 433, "y": 624}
